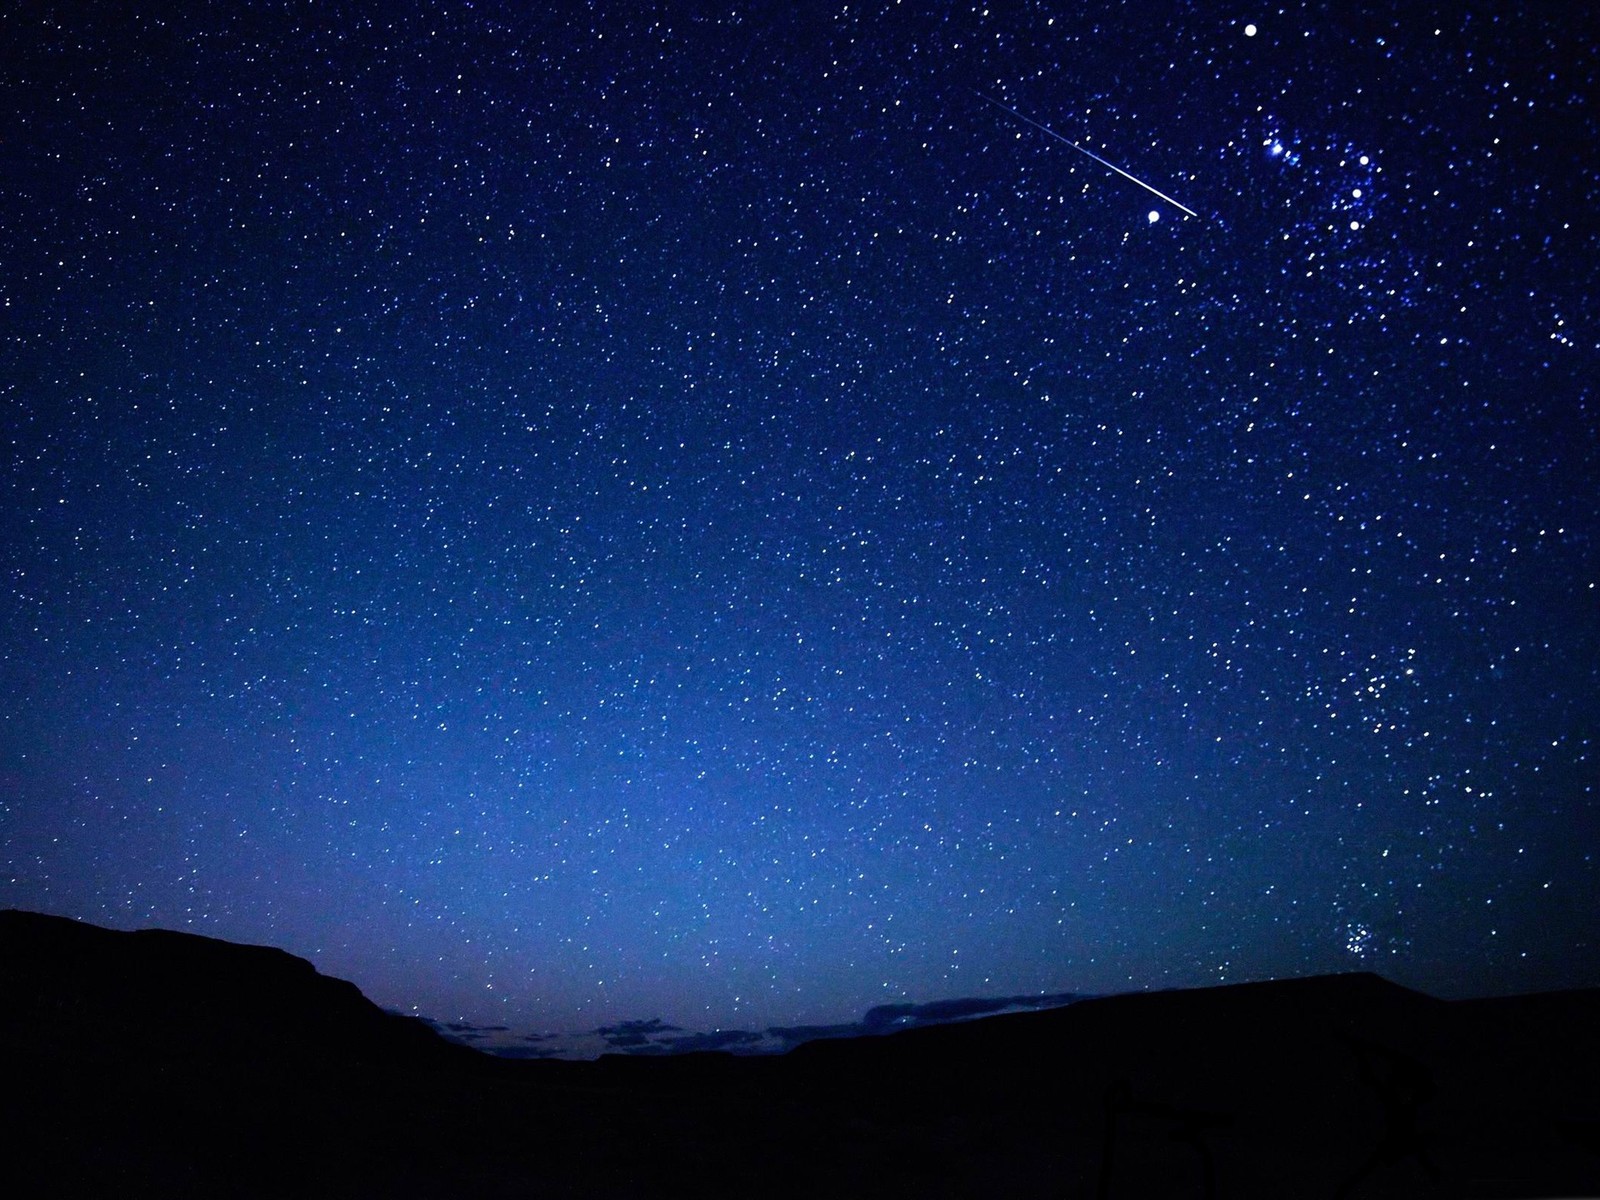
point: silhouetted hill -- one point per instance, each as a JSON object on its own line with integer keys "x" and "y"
{"x": 75, "y": 990}
{"x": 165, "y": 1064}
{"x": 159, "y": 1062}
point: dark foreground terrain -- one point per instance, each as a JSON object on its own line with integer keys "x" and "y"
{"x": 159, "y": 1063}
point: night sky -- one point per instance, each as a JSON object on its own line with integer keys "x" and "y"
{"x": 563, "y": 515}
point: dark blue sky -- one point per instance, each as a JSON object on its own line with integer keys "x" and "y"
{"x": 563, "y": 516}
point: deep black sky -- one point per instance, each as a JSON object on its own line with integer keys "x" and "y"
{"x": 562, "y": 516}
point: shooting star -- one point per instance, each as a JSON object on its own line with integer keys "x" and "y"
{"x": 1090, "y": 153}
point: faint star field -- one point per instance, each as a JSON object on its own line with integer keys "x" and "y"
{"x": 569, "y": 517}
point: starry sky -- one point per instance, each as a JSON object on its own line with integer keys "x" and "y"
{"x": 577, "y": 513}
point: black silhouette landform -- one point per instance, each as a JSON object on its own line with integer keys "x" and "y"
{"x": 159, "y": 1063}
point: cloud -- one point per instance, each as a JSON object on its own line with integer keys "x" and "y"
{"x": 633, "y": 1034}
{"x": 793, "y": 1035}
{"x": 722, "y": 1039}
{"x": 462, "y": 1032}
{"x": 525, "y": 1051}
{"x": 654, "y": 1036}
{"x": 907, "y": 1016}
{"x": 891, "y": 1018}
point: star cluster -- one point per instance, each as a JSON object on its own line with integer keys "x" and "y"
{"x": 572, "y": 517}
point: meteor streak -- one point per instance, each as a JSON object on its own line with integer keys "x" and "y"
{"x": 1090, "y": 153}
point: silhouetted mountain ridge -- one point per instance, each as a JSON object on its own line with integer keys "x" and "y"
{"x": 167, "y": 1064}
{"x": 78, "y": 990}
